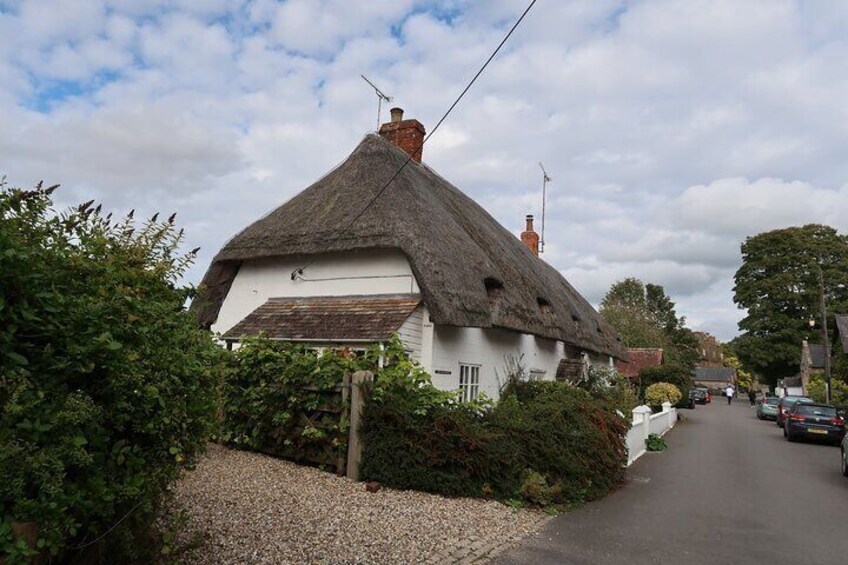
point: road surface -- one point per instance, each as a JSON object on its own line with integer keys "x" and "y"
{"x": 729, "y": 490}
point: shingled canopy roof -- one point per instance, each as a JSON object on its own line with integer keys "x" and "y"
{"x": 471, "y": 271}
{"x": 328, "y": 318}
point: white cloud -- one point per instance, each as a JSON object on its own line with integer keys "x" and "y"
{"x": 673, "y": 129}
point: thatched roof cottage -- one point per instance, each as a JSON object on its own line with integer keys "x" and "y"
{"x": 424, "y": 261}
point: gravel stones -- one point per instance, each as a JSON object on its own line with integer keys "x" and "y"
{"x": 251, "y": 508}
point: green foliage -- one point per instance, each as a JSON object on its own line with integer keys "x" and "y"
{"x": 817, "y": 390}
{"x": 271, "y": 384}
{"x": 645, "y": 316}
{"x": 605, "y": 383}
{"x": 778, "y": 285}
{"x": 659, "y": 393}
{"x": 655, "y": 443}
{"x": 107, "y": 387}
{"x": 573, "y": 443}
{"x": 679, "y": 377}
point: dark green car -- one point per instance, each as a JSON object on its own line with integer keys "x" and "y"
{"x": 767, "y": 408}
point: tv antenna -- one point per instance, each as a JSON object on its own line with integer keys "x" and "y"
{"x": 380, "y": 98}
{"x": 545, "y": 180}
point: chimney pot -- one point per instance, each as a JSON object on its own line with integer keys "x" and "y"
{"x": 529, "y": 237}
{"x": 406, "y": 134}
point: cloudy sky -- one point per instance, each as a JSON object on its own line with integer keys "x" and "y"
{"x": 672, "y": 129}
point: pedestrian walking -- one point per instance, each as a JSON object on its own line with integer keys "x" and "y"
{"x": 729, "y": 394}
{"x": 752, "y": 396}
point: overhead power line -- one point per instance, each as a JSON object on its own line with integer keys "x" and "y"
{"x": 433, "y": 131}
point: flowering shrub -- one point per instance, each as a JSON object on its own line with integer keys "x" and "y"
{"x": 658, "y": 393}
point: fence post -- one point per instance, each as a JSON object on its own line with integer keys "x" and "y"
{"x": 357, "y": 401}
{"x": 645, "y": 412}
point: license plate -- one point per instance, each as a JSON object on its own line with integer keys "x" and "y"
{"x": 812, "y": 431}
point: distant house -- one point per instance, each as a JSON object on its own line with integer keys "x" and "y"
{"x": 423, "y": 260}
{"x": 812, "y": 361}
{"x": 640, "y": 358}
{"x": 710, "y": 350}
{"x": 714, "y": 377}
{"x": 842, "y": 329}
{"x": 790, "y": 386}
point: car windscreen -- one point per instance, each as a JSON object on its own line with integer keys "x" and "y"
{"x": 813, "y": 410}
{"x": 771, "y": 401}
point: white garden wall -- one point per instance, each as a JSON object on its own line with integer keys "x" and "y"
{"x": 644, "y": 424}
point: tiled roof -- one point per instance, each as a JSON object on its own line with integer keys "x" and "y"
{"x": 816, "y": 355}
{"x": 640, "y": 358}
{"x": 842, "y": 327}
{"x": 328, "y": 318}
{"x": 570, "y": 370}
{"x": 714, "y": 374}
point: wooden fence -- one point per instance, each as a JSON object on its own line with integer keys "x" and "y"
{"x": 327, "y": 435}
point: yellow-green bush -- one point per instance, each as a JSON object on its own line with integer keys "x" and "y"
{"x": 658, "y": 393}
{"x": 838, "y": 390}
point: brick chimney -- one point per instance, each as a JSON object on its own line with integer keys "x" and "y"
{"x": 529, "y": 237}
{"x": 406, "y": 134}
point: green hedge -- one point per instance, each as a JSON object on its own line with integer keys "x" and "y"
{"x": 271, "y": 385}
{"x": 546, "y": 442}
{"x": 107, "y": 387}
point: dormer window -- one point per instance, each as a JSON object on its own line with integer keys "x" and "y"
{"x": 494, "y": 289}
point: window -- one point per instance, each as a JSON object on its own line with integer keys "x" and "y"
{"x": 469, "y": 381}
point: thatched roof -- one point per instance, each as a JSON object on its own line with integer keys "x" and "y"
{"x": 471, "y": 270}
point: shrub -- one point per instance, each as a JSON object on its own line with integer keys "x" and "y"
{"x": 658, "y": 393}
{"x": 655, "y": 443}
{"x": 817, "y": 390}
{"x": 107, "y": 387}
{"x": 573, "y": 443}
{"x": 673, "y": 374}
{"x": 272, "y": 384}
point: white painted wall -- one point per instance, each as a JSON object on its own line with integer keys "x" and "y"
{"x": 644, "y": 424}
{"x": 334, "y": 274}
{"x": 488, "y": 347}
{"x": 440, "y": 349}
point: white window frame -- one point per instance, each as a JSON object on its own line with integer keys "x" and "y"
{"x": 469, "y": 381}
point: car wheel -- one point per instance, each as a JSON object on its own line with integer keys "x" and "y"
{"x": 844, "y": 463}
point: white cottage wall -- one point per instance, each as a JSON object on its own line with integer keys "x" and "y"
{"x": 333, "y": 274}
{"x": 489, "y": 348}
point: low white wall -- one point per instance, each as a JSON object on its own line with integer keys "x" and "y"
{"x": 644, "y": 424}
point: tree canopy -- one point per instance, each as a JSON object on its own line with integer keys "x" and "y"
{"x": 645, "y": 316}
{"x": 778, "y": 284}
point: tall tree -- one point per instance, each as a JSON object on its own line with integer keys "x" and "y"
{"x": 645, "y": 316}
{"x": 779, "y": 286}
{"x": 625, "y": 307}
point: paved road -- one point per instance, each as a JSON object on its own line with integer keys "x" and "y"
{"x": 729, "y": 490}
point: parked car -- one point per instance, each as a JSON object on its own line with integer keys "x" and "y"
{"x": 845, "y": 456}
{"x": 814, "y": 421}
{"x": 689, "y": 401}
{"x": 700, "y": 395}
{"x": 767, "y": 408}
{"x": 707, "y": 391}
{"x": 785, "y": 403}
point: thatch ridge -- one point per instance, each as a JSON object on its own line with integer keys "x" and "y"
{"x": 451, "y": 242}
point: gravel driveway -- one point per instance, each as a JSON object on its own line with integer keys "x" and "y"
{"x": 252, "y": 508}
